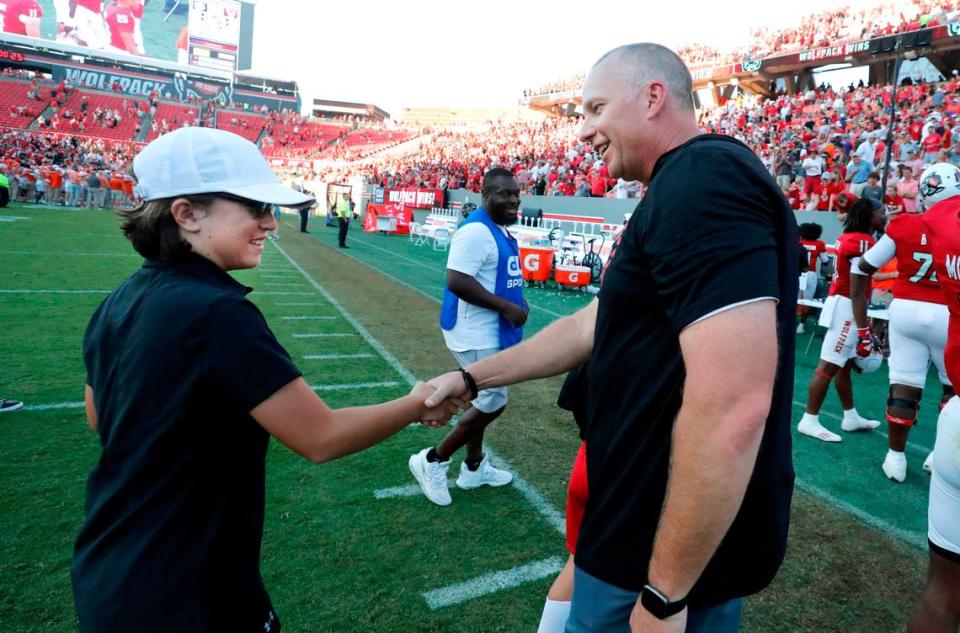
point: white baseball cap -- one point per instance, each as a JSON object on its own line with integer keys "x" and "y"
{"x": 204, "y": 160}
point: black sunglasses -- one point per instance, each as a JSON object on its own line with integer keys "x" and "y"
{"x": 257, "y": 209}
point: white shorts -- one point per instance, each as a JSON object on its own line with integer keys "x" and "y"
{"x": 488, "y": 400}
{"x": 918, "y": 335}
{"x": 840, "y": 341}
{"x": 944, "y": 510}
{"x": 90, "y": 27}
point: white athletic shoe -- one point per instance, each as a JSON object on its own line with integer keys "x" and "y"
{"x": 432, "y": 477}
{"x": 800, "y": 329}
{"x": 10, "y": 405}
{"x": 484, "y": 475}
{"x": 859, "y": 423}
{"x": 895, "y": 466}
{"x": 928, "y": 463}
{"x": 818, "y": 431}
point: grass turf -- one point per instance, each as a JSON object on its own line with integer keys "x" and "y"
{"x": 336, "y": 558}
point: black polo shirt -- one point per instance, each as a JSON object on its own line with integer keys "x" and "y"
{"x": 177, "y": 357}
{"x": 712, "y": 231}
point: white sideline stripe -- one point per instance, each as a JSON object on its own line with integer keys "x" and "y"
{"x": 70, "y": 253}
{"x": 917, "y": 539}
{"x": 919, "y": 449}
{"x": 55, "y": 405}
{"x": 283, "y": 283}
{"x": 531, "y": 494}
{"x": 410, "y": 490}
{"x": 492, "y": 582}
{"x": 282, "y": 292}
{"x": 324, "y": 335}
{"x": 277, "y": 276}
{"x": 307, "y": 318}
{"x": 12, "y": 218}
{"x": 355, "y": 385}
{"x": 54, "y": 291}
{"x": 301, "y": 303}
{"x": 422, "y": 265}
{"x": 335, "y": 356}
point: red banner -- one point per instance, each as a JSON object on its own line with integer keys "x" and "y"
{"x": 372, "y": 221}
{"x": 414, "y": 198}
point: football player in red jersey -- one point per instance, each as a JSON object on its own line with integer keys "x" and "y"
{"x": 939, "y": 610}
{"x": 21, "y": 17}
{"x": 918, "y": 327}
{"x": 120, "y": 21}
{"x": 839, "y": 343}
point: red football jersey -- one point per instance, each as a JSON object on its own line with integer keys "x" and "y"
{"x": 918, "y": 279}
{"x": 943, "y": 225}
{"x": 814, "y": 248}
{"x": 96, "y": 6}
{"x": 13, "y": 10}
{"x": 849, "y": 246}
{"x": 119, "y": 20}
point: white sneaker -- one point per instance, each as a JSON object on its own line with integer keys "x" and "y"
{"x": 10, "y": 405}
{"x": 858, "y": 423}
{"x": 928, "y": 463}
{"x": 818, "y": 431}
{"x": 800, "y": 329}
{"x": 432, "y": 477}
{"x": 895, "y": 466}
{"x": 484, "y": 475}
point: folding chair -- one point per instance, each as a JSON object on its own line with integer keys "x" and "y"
{"x": 417, "y": 236}
{"x": 441, "y": 240}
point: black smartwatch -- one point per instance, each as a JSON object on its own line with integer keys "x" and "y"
{"x": 658, "y": 604}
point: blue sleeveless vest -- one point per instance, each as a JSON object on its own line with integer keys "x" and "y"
{"x": 509, "y": 284}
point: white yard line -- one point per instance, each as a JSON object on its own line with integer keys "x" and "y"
{"x": 335, "y": 356}
{"x": 307, "y": 318}
{"x": 300, "y": 303}
{"x": 52, "y": 291}
{"x": 356, "y": 385}
{"x": 917, "y": 539}
{"x": 410, "y": 490}
{"x": 324, "y": 335}
{"x": 533, "y": 496}
{"x": 492, "y": 582}
{"x": 70, "y": 253}
{"x": 54, "y": 405}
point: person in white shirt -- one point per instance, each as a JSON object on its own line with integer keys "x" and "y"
{"x": 483, "y": 313}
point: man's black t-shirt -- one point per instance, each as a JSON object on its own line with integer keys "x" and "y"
{"x": 177, "y": 357}
{"x": 712, "y": 231}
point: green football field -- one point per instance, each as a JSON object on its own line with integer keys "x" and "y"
{"x": 352, "y": 545}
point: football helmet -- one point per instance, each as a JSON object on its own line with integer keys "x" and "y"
{"x": 938, "y": 182}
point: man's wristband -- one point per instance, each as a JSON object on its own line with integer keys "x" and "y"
{"x": 471, "y": 383}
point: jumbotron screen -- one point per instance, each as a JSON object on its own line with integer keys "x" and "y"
{"x": 207, "y": 33}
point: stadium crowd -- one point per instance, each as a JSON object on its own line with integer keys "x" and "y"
{"x": 838, "y": 25}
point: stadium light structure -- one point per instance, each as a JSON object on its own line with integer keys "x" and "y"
{"x": 888, "y": 151}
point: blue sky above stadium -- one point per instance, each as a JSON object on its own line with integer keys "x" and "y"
{"x": 452, "y": 54}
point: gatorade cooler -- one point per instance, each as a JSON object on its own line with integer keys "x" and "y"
{"x": 572, "y": 277}
{"x": 535, "y": 264}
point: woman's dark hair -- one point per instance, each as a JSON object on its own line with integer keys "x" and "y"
{"x": 810, "y": 231}
{"x": 154, "y": 233}
{"x": 860, "y": 216}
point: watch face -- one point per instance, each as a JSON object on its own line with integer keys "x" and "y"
{"x": 654, "y": 602}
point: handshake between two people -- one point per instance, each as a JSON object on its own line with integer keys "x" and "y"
{"x": 441, "y": 397}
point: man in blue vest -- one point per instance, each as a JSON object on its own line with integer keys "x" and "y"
{"x": 483, "y": 312}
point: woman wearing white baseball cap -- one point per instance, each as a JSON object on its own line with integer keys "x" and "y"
{"x": 185, "y": 385}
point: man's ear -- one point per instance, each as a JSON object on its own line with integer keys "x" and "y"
{"x": 185, "y": 215}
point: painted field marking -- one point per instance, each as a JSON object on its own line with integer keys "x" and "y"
{"x": 282, "y": 292}
{"x": 52, "y": 291}
{"x": 278, "y": 275}
{"x": 409, "y": 490}
{"x": 278, "y": 284}
{"x": 356, "y": 385}
{"x": 533, "y": 496}
{"x": 335, "y": 356}
{"x": 492, "y": 582}
{"x": 12, "y": 218}
{"x": 301, "y": 303}
{"x": 54, "y": 405}
{"x": 71, "y": 253}
{"x": 307, "y": 318}
{"x": 324, "y": 335}
{"x": 917, "y": 539}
